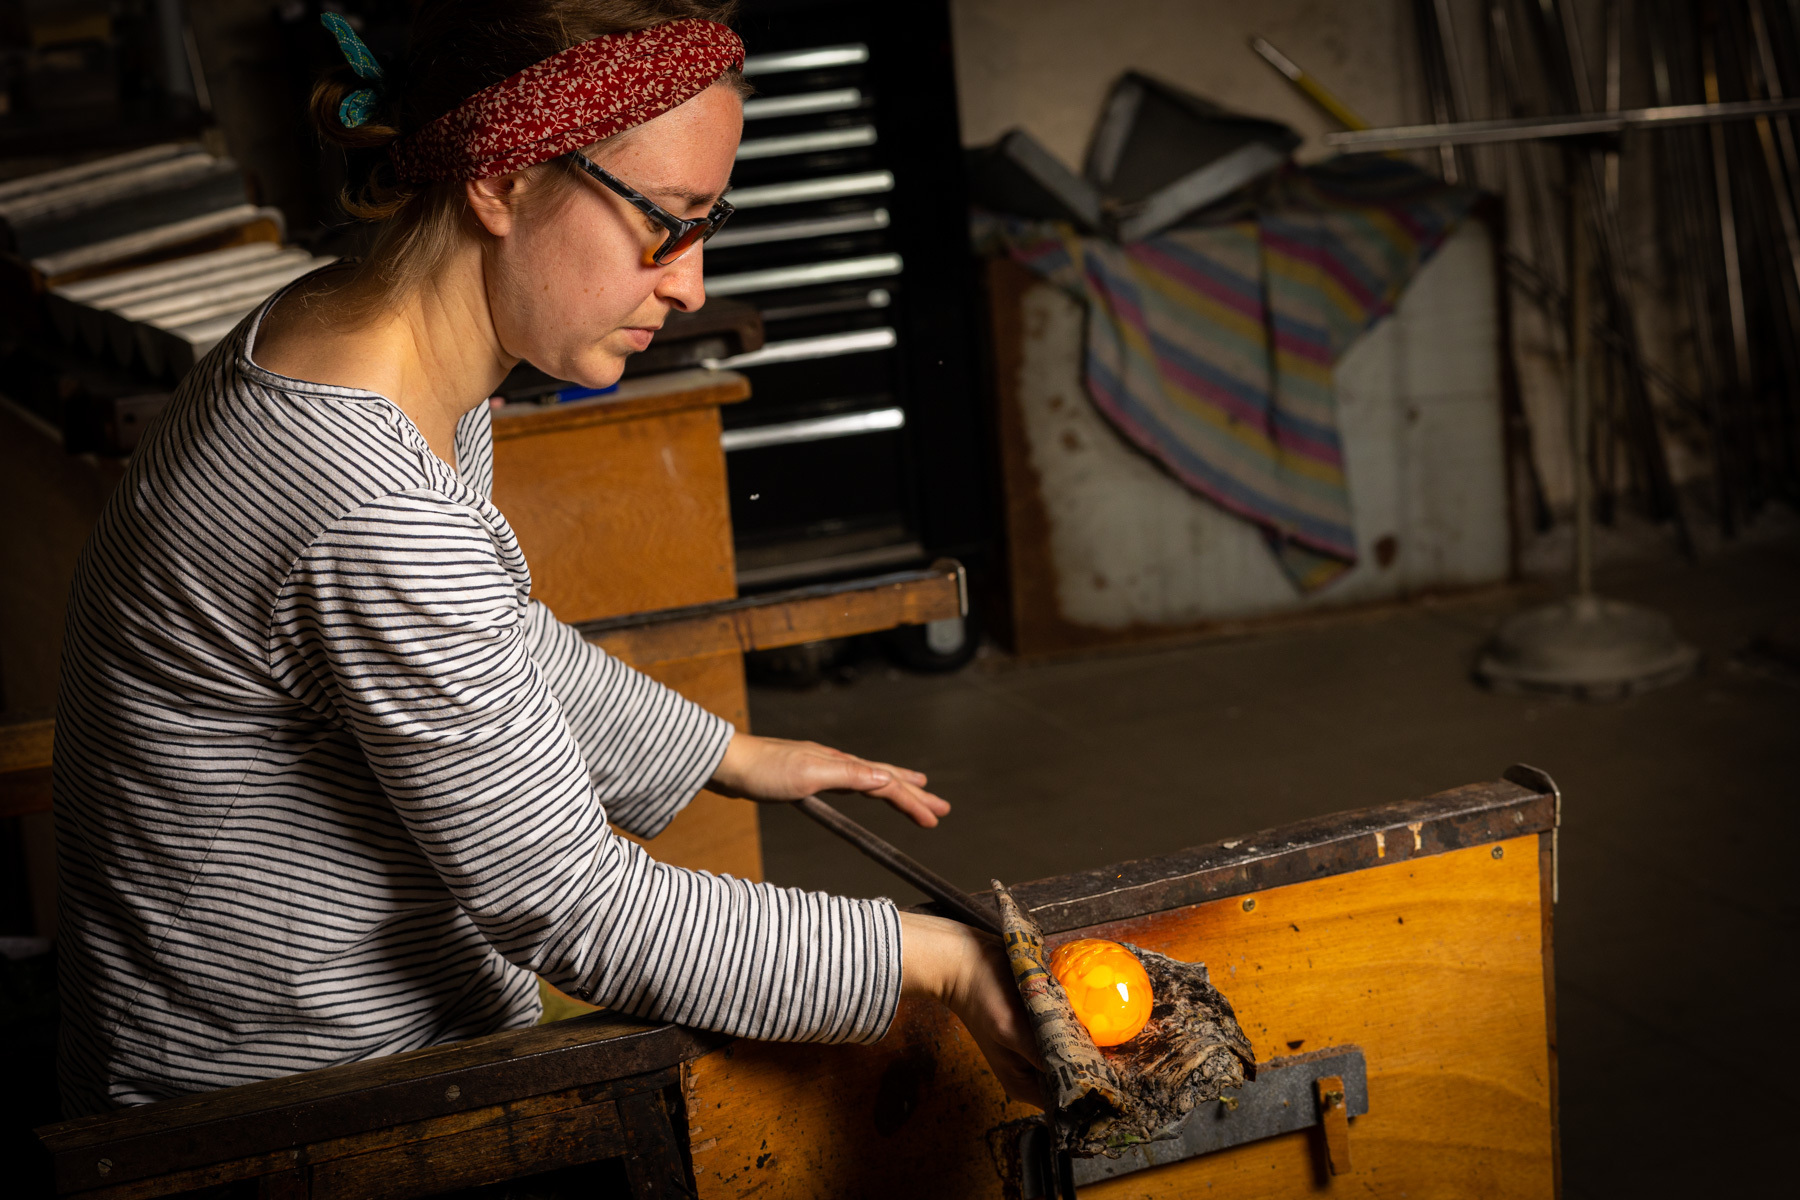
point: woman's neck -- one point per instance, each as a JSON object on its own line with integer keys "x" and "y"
{"x": 432, "y": 351}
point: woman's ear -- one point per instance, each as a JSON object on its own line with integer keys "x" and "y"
{"x": 495, "y": 201}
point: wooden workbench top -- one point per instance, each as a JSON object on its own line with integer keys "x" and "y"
{"x": 650, "y": 395}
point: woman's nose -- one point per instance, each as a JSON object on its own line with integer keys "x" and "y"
{"x": 683, "y": 284}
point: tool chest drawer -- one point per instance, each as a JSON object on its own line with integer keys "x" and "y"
{"x": 850, "y": 239}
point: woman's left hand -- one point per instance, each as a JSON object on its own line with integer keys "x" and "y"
{"x": 760, "y": 768}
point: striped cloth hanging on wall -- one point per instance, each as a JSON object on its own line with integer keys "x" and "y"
{"x": 1211, "y": 349}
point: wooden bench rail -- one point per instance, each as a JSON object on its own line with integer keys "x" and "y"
{"x": 673, "y": 391}
{"x": 1525, "y": 801}
{"x": 258, "y": 1122}
{"x": 786, "y": 618}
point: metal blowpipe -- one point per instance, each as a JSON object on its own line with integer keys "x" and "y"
{"x": 953, "y": 899}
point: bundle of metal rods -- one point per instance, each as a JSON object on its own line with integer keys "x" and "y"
{"x": 1724, "y": 203}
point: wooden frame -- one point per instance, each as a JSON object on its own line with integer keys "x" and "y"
{"x": 1462, "y": 1084}
{"x": 788, "y": 618}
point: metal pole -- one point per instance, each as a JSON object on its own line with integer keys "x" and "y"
{"x": 1760, "y": 73}
{"x": 1580, "y": 368}
{"x": 1543, "y": 241}
{"x": 1578, "y": 66}
{"x": 1526, "y": 129}
{"x": 1685, "y": 187}
{"x": 947, "y": 894}
{"x": 1728, "y": 239}
{"x": 1437, "y": 91}
{"x": 1456, "y": 81}
{"x": 1615, "y": 37}
{"x": 1771, "y": 77}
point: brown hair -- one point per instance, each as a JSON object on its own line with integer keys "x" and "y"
{"x": 457, "y": 48}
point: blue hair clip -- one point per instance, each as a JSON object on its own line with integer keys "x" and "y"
{"x": 357, "y": 105}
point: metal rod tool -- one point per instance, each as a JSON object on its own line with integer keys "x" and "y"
{"x": 953, "y": 899}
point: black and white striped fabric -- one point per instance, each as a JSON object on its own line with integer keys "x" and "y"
{"x": 330, "y": 785}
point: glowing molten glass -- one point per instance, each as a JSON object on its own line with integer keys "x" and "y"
{"x": 1107, "y": 988}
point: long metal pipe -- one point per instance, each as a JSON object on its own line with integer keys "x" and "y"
{"x": 953, "y": 899}
{"x": 1580, "y": 397}
{"x": 1524, "y": 129}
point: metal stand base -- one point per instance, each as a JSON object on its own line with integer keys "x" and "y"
{"x": 1594, "y": 648}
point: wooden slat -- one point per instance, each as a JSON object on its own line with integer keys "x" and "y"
{"x": 482, "y": 1156}
{"x": 194, "y": 1179}
{"x": 301, "y": 1157}
{"x": 787, "y": 618}
{"x": 1430, "y": 963}
{"x": 1333, "y": 845}
{"x": 654, "y": 1164}
{"x": 25, "y": 748}
{"x": 651, "y": 395}
{"x": 26, "y": 745}
{"x": 317, "y": 1106}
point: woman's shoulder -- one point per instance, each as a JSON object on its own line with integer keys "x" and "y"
{"x": 286, "y": 456}
{"x": 301, "y": 336}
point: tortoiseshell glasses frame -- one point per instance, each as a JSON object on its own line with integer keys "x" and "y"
{"x": 682, "y": 233}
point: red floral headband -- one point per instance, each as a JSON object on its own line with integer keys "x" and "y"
{"x": 572, "y": 99}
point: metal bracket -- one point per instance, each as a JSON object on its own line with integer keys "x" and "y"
{"x": 1541, "y": 783}
{"x": 1335, "y": 1121}
{"x": 1285, "y": 1097}
{"x": 962, "y": 581}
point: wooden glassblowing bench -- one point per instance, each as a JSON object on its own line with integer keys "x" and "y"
{"x": 1412, "y": 940}
{"x": 1402, "y": 951}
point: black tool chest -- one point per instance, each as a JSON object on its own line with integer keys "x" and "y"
{"x": 859, "y": 448}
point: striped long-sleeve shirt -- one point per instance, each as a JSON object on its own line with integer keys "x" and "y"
{"x": 329, "y": 784}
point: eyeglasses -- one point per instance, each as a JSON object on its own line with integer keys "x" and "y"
{"x": 683, "y": 233}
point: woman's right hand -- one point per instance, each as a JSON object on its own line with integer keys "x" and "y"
{"x": 965, "y": 970}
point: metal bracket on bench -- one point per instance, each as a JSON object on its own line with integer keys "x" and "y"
{"x": 1284, "y": 1098}
{"x": 1529, "y": 776}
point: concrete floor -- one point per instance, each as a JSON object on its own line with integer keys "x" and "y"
{"x": 1675, "y": 931}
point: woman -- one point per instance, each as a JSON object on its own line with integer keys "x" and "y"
{"x": 329, "y": 784}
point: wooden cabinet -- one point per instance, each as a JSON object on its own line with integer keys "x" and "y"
{"x": 620, "y": 506}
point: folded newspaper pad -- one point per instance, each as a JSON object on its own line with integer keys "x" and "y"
{"x": 1104, "y": 1100}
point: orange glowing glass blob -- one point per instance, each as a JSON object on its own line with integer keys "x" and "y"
{"x": 1106, "y": 986}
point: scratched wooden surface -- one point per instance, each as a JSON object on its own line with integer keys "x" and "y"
{"x": 619, "y": 516}
{"x": 907, "y": 1114}
{"x": 1432, "y": 965}
{"x": 434, "y": 1148}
